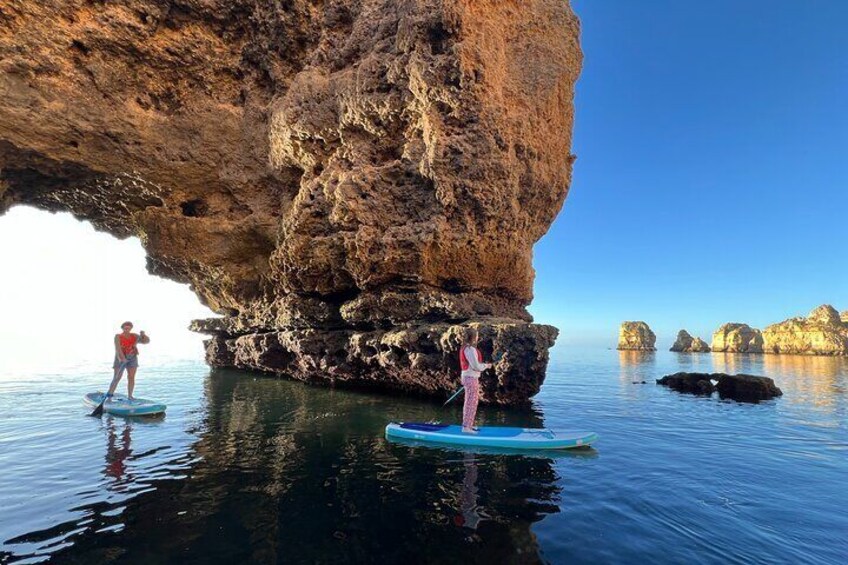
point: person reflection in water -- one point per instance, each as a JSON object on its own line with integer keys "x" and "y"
{"x": 117, "y": 451}
{"x": 471, "y": 362}
{"x": 470, "y": 513}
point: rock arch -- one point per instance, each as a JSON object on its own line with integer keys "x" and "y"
{"x": 329, "y": 176}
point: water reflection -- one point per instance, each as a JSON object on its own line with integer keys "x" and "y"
{"x": 117, "y": 448}
{"x": 814, "y": 379}
{"x": 258, "y": 470}
{"x": 636, "y": 366}
{"x": 735, "y": 363}
{"x": 278, "y": 463}
{"x": 470, "y": 514}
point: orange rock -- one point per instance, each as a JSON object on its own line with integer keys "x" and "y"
{"x": 821, "y": 333}
{"x": 307, "y": 166}
{"x": 636, "y": 336}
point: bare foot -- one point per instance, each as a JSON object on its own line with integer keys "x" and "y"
{"x": 469, "y": 431}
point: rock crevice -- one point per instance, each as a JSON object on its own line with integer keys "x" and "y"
{"x": 323, "y": 175}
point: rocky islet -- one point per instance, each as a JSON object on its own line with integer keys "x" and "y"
{"x": 636, "y": 336}
{"x": 742, "y": 388}
{"x": 823, "y": 332}
{"x": 685, "y": 343}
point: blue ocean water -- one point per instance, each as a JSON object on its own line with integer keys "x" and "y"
{"x": 248, "y": 468}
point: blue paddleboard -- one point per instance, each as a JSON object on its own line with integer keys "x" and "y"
{"x": 120, "y": 405}
{"x": 491, "y": 436}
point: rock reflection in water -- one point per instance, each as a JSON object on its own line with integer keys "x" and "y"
{"x": 819, "y": 380}
{"x": 634, "y": 368}
{"x": 286, "y": 472}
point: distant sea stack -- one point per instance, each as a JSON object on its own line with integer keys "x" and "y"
{"x": 685, "y": 343}
{"x": 737, "y": 338}
{"x": 823, "y": 332}
{"x": 636, "y": 336}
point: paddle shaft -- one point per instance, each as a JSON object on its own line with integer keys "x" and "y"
{"x": 496, "y": 357}
{"x": 119, "y": 371}
{"x": 462, "y": 388}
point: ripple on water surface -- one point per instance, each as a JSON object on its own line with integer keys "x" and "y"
{"x": 246, "y": 468}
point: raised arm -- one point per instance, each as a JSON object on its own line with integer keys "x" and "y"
{"x": 143, "y": 338}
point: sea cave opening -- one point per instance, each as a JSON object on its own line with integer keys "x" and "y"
{"x": 66, "y": 288}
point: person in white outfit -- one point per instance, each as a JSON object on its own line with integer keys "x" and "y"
{"x": 471, "y": 362}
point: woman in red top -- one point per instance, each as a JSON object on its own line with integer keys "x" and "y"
{"x": 126, "y": 357}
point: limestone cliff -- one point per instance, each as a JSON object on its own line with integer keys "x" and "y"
{"x": 636, "y": 336}
{"x": 737, "y": 338}
{"x": 823, "y": 332}
{"x": 345, "y": 181}
{"x": 685, "y": 343}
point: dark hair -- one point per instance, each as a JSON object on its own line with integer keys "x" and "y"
{"x": 130, "y": 324}
{"x": 469, "y": 334}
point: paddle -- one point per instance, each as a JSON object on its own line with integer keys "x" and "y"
{"x": 462, "y": 388}
{"x": 99, "y": 410}
{"x": 495, "y": 358}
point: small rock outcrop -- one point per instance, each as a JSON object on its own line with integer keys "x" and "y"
{"x": 685, "y": 343}
{"x": 747, "y": 388}
{"x": 742, "y": 388}
{"x": 693, "y": 383}
{"x": 822, "y": 332}
{"x": 844, "y": 316}
{"x": 737, "y": 338}
{"x": 318, "y": 172}
{"x": 636, "y": 336}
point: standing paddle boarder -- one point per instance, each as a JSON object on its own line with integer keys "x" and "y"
{"x": 471, "y": 362}
{"x": 126, "y": 357}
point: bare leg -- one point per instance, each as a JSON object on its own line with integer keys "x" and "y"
{"x": 119, "y": 372}
{"x": 131, "y": 381}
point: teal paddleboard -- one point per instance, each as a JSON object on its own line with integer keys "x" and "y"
{"x": 491, "y": 436}
{"x": 120, "y": 405}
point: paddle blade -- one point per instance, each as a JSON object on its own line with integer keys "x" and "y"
{"x": 99, "y": 410}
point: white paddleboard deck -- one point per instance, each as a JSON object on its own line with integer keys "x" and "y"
{"x": 491, "y": 436}
{"x": 120, "y": 405}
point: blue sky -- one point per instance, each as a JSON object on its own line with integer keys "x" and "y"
{"x": 711, "y": 181}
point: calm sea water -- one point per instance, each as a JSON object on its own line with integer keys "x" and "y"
{"x": 255, "y": 469}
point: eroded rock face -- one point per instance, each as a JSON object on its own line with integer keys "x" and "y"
{"x": 314, "y": 170}
{"x": 685, "y": 343}
{"x": 410, "y": 359}
{"x": 737, "y": 338}
{"x": 823, "y": 332}
{"x": 636, "y": 336}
